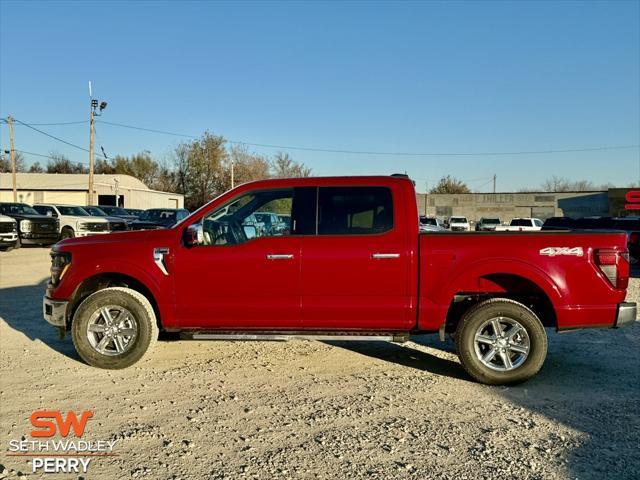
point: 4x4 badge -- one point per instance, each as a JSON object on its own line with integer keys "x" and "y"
{"x": 555, "y": 251}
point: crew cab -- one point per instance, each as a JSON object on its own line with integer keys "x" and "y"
{"x": 8, "y": 233}
{"x": 353, "y": 266}
{"x": 74, "y": 221}
{"x": 521, "y": 225}
{"x": 33, "y": 228}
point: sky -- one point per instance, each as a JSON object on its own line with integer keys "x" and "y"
{"x": 382, "y": 77}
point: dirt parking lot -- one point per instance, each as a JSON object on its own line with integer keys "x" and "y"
{"x": 197, "y": 410}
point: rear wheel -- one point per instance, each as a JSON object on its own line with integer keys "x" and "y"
{"x": 501, "y": 341}
{"x": 114, "y": 328}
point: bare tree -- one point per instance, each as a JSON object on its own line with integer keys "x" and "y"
{"x": 247, "y": 166}
{"x": 283, "y": 166}
{"x": 5, "y": 163}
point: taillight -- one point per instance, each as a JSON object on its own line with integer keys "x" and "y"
{"x": 615, "y": 266}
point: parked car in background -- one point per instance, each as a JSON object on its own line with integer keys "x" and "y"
{"x": 558, "y": 223}
{"x": 433, "y": 221}
{"x": 286, "y": 220}
{"x": 521, "y": 225}
{"x": 487, "y": 224}
{"x": 118, "y": 212}
{"x": 74, "y": 221}
{"x": 272, "y": 223}
{"x": 155, "y": 218}
{"x": 116, "y": 224}
{"x": 33, "y": 228}
{"x": 136, "y": 212}
{"x": 631, "y": 226}
{"x": 459, "y": 224}
{"x": 8, "y": 233}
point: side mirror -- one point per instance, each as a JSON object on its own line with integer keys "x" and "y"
{"x": 49, "y": 213}
{"x": 250, "y": 231}
{"x": 193, "y": 235}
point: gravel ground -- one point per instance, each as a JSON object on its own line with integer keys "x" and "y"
{"x": 199, "y": 410}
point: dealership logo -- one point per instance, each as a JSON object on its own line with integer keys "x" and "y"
{"x": 48, "y": 428}
{"x": 633, "y": 200}
{"x": 66, "y": 455}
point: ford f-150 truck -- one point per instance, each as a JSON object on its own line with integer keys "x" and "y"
{"x": 352, "y": 266}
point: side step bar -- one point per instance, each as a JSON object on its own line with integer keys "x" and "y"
{"x": 396, "y": 337}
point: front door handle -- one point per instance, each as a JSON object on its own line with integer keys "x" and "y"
{"x": 383, "y": 256}
{"x": 279, "y": 256}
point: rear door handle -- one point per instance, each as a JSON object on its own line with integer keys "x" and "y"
{"x": 384, "y": 256}
{"x": 279, "y": 256}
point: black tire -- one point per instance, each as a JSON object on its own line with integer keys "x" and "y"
{"x": 18, "y": 244}
{"x": 510, "y": 311}
{"x": 141, "y": 312}
{"x": 67, "y": 232}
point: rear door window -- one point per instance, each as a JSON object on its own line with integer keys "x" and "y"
{"x": 354, "y": 210}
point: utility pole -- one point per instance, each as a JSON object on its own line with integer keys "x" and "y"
{"x": 92, "y": 132}
{"x": 12, "y": 154}
{"x": 91, "y": 135}
{"x": 426, "y": 189}
{"x": 494, "y": 182}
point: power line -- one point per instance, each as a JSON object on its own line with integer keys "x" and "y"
{"x": 46, "y": 156}
{"x": 406, "y": 154}
{"x": 52, "y": 136}
{"x": 55, "y": 123}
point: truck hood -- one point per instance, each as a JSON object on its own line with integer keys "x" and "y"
{"x": 128, "y": 239}
{"x": 83, "y": 218}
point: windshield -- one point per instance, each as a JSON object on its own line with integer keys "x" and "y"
{"x": 491, "y": 221}
{"x": 76, "y": 211}
{"x": 521, "y": 222}
{"x": 17, "y": 209}
{"x": 458, "y": 220}
{"x": 158, "y": 215}
{"x": 428, "y": 221}
{"x": 95, "y": 211}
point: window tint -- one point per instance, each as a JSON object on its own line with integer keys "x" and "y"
{"x": 255, "y": 214}
{"x": 521, "y": 222}
{"x": 354, "y": 210}
{"x": 537, "y": 222}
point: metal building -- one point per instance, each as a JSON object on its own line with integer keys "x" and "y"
{"x": 73, "y": 189}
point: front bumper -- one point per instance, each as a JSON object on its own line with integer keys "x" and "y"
{"x": 627, "y": 314}
{"x": 29, "y": 238}
{"x": 86, "y": 233}
{"x": 55, "y": 312}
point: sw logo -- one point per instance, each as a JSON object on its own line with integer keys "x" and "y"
{"x": 633, "y": 200}
{"x": 48, "y": 428}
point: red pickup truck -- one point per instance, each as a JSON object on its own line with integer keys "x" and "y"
{"x": 347, "y": 262}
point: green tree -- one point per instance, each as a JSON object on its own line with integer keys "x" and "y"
{"x": 449, "y": 184}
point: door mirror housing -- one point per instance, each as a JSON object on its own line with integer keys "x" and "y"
{"x": 194, "y": 235}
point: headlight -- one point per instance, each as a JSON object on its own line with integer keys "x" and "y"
{"x": 60, "y": 262}
{"x": 25, "y": 226}
{"x": 81, "y": 225}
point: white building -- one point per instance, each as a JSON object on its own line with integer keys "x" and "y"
{"x": 123, "y": 190}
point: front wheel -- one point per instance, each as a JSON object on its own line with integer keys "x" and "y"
{"x": 501, "y": 341}
{"x": 114, "y": 328}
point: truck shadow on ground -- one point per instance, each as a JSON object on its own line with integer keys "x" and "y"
{"x": 407, "y": 357}
{"x": 21, "y": 309}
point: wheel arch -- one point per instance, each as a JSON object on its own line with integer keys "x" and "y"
{"x": 533, "y": 291}
{"x": 104, "y": 280}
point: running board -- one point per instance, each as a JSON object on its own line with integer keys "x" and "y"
{"x": 286, "y": 336}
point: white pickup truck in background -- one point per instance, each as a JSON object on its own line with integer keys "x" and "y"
{"x": 521, "y": 225}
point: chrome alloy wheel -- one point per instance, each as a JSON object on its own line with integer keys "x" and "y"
{"x": 502, "y": 344}
{"x": 112, "y": 330}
